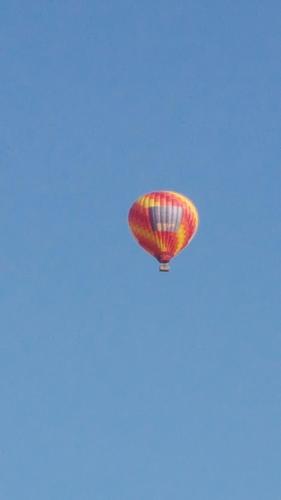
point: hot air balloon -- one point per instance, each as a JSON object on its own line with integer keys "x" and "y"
{"x": 163, "y": 223}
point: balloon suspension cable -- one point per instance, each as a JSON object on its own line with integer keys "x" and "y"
{"x": 164, "y": 267}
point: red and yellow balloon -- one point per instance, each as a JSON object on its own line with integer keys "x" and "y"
{"x": 163, "y": 223}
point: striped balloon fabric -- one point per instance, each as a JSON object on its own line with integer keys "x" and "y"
{"x": 163, "y": 222}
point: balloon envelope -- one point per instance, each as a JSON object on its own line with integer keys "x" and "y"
{"x": 163, "y": 223}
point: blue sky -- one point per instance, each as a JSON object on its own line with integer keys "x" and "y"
{"x": 117, "y": 381}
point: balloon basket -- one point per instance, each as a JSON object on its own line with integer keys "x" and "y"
{"x": 164, "y": 267}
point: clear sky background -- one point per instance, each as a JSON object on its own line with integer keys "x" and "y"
{"x": 118, "y": 382}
